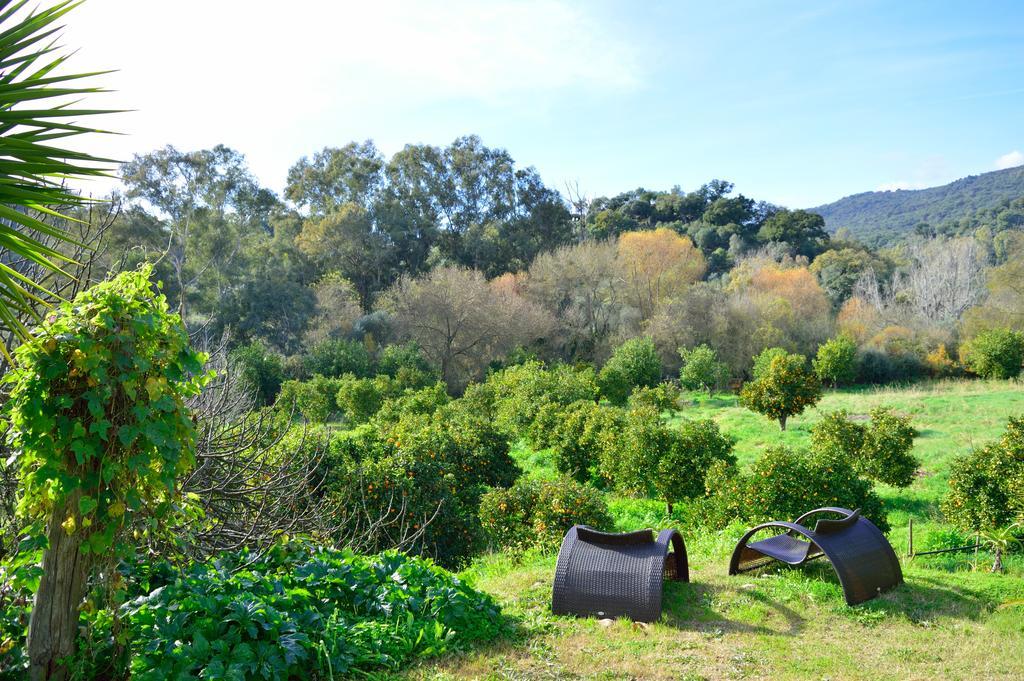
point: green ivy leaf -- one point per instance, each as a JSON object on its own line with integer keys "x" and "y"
{"x": 87, "y": 505}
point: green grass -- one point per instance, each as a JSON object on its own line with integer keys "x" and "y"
{"x": 944, "y": 623}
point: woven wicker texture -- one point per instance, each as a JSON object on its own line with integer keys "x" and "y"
{"x": 616, "y": 575}
{"x": 861, "y": 555}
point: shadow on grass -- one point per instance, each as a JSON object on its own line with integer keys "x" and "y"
{"x": 698, "y": 606}
{"x": 921, "y": 598}
{"x": 919, "y": 508}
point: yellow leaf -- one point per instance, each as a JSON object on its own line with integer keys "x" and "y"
{"x": 69, "y": 525}
{"x": 116, "y": 509}
{"x": 153, "y": 388}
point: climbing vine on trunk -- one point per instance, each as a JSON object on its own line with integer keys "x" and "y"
{"x": 101, "y": 435}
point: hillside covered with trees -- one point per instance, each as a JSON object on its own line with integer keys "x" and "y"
{"x": 991, "y": 200}
{"x": 253, "y": 432}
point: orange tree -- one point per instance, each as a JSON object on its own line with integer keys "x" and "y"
{"x": 101, "y": 434}
{"x": 783, "y": 388}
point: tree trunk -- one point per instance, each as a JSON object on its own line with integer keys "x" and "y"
{"x": 53, "y": 626}
{"x": 782, "y": 422}
{"x": 669, "y": 504}
{"x": 997, "y": 564}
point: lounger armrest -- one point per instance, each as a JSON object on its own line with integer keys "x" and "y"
{"x": 823, "y": 509}
{"x": 592, "y": 536}
{"x": 793, "y": 527}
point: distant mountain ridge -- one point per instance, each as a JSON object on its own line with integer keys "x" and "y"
{"x": 885, "y": 216}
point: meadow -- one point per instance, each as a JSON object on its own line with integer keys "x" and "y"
{"x": 951, "y": 619}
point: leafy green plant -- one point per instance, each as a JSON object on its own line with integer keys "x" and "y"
{"x": 519, "y": 392}
{"x": 997, "y": 353}
{"x": 783, "y": 483}
{"x": 261, "y": 370}
{"x": 101, "y": 434}
{"x": 333, "y": 358}
{"x": 651, "y": 457}
{"x": 298, "y": 611}
{"x": 701, "y": 369}
{"x": 662, "y": 397}
{"x": 537, "y": 514}
{"x": 836, "y": 361}
{"x": 984, "y": 484}
{"x": 691, "y": 450}
{"x": 38, "y": 110}
{"x": 879, "y": 450}
{"x": 635, "y": 363}
{"x": 782, "y": 388}
{"x": 1000, "y": 541}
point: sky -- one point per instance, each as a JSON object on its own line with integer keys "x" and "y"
{"x": 798, "y": 103}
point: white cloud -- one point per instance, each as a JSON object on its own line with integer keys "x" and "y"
{"x": 1010, "y": 160}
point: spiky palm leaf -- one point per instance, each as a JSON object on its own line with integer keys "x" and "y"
{"x": 37, "y": 113}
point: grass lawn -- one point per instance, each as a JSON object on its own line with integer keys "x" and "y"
{"x": 949, "y": 621}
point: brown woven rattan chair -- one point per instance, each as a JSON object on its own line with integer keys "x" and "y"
{"x": 861, "y": 555}
{"x": 616, "y": 575}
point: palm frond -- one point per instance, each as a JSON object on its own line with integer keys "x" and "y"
{"x": 38, "y": 106}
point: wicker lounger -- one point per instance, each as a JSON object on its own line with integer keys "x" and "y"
{"x": 861, "y": 555}
{"x": 616, "y": 575}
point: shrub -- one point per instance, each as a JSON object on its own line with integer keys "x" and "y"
{"x": 939, "y": 363}
{"x": 876, "y": 366}
{"x": 627, "y": 463}
{"x": 836, "y": 361}
{"x": 423, "y": 401}
{"x": 332, "y": 358}
{"x": 315, "y": 400}
{"x": 783, "y": 388}
{"x": 444, "y": 462}
{"x": 577, "y": 433}
{"x": 662, "y": 397}
{"x": 701, "y": 369}
{"x": 879, "y": 450}
{"x": 785, "y": 483}
{"x": 985, "y": 485}
{"x": 635, "y": 363}
{"x": 683, "y": 466}
{"x": 885, "y": 455}
{"x": 997, "y": 353}
{"x": 408, "y": 366}
{"x": 537, "y": 514}
{"x": 614, "y": 385}
{"x": 507, "y": 515}
{"x": 764, "y": 360}
{"x": 520, "y": 391}
{"x": 298, "y": 611}
{"x": 361, "y": 398}
{"x": 261, "y": 371}
{"x": 651, "y": 457}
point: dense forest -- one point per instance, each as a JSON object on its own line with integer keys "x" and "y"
{"x": 991, "y": 200}
{"x": 470, "y": 256}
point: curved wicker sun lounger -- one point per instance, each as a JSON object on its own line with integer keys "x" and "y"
{"x": 616, "y": 575}
{"x": 861, "y": 555}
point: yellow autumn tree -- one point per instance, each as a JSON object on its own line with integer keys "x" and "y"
{"x": 858, "y": 319}
{"x": 657, "y": 264}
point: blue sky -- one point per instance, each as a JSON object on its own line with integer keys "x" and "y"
{"x": 799, "y": 103}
